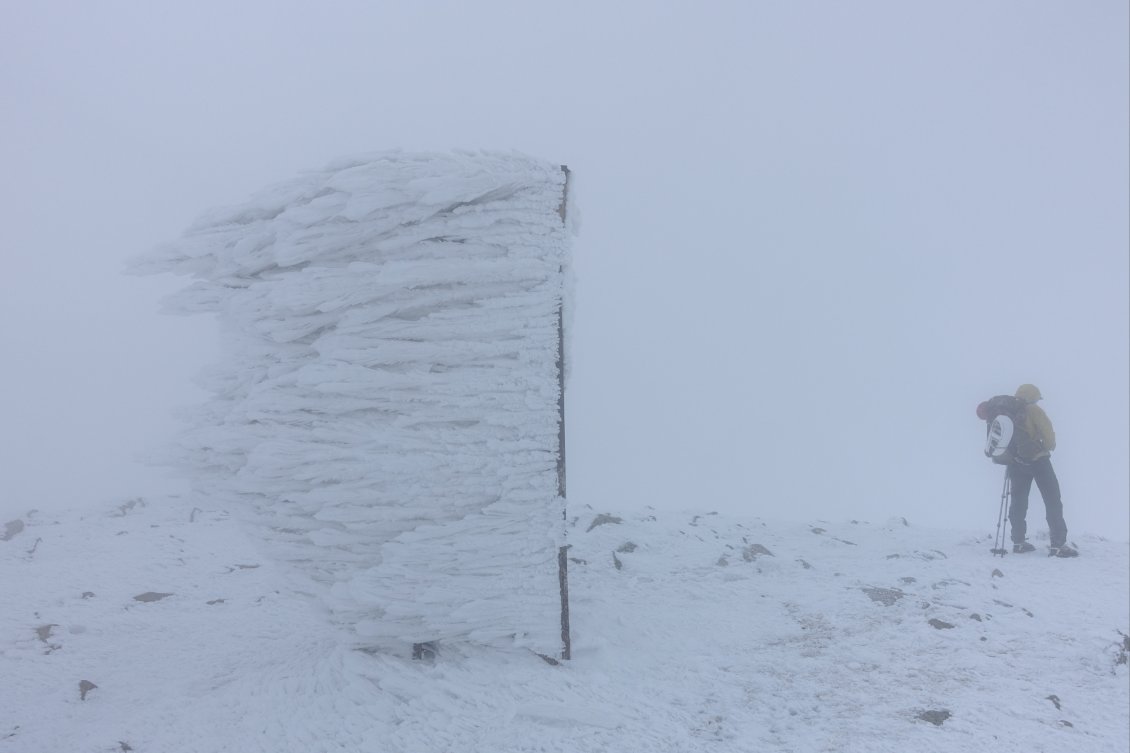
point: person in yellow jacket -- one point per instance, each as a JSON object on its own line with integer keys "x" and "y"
{"x": 1021, "y": 473}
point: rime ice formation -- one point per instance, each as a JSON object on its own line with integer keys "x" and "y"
{"x": 386, "y": 412}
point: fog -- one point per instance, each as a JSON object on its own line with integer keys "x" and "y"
{"x": 814, "y": 235}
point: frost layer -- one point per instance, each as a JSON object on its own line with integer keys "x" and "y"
{"x": 385, "y": 411}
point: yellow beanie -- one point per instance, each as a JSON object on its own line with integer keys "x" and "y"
{"x": 1029, "y": 393}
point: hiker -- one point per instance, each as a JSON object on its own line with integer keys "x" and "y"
{"x": 1034, "y": 463}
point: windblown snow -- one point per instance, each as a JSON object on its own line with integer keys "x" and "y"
{"x": 158, "y": 627}
{"x": 386, "y": 412}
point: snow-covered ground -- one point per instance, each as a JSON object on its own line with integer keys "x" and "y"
{"x": 157, "y": 627}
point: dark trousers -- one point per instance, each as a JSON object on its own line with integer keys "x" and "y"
{"x": 1021, "y": 477}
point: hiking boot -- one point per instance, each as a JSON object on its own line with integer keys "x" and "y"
{"x": 1064, "y": 551}
{"x": 1022, "y": 547}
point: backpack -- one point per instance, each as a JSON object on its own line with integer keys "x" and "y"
{"x": 1006, "y": 440}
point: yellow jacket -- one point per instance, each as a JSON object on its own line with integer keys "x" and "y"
{"x": 1039, "y": 428}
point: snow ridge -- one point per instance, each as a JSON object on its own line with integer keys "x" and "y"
{"x": 386, "y": 406}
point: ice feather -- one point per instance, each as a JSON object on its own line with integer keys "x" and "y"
{"x": 385, "y": 414}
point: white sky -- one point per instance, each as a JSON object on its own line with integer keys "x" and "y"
{"x": 796, "y": 218}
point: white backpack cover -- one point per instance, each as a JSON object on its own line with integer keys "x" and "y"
{"x": 999, "y": 437}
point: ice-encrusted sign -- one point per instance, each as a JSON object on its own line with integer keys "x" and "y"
{"x": 387, "y": 412}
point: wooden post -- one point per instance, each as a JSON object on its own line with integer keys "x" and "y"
{"x": 563, "y": 552}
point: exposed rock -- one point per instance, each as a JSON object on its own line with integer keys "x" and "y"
{"x": 602, "y": 519}
{"x": 84, "y": 687}
{"x": 936, "y": 717}
{"x": 884, "y": 596}
{"x": 1055, "y": 699}
{"x": 940, "y": 625}
{"x": 997, "y": 573}
{"x": 976, "y": 616}
{"x": 907, "y": 579}
{"x": 616, "y": 561}
{"x": 11, "y": 528}
{"x": 804, "y": 564}
{"x": 233, "y": 568}
{"x": 124, "y": 510}
{"x": 627, "y": 547}
{"x": 752, "y": 552}
{"x": 151, "y": 596}
{"x": 818, "y": 531}
{"x": 722, "y": 561}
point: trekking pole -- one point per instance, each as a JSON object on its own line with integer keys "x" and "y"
{"x": 1006, "y": 492}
